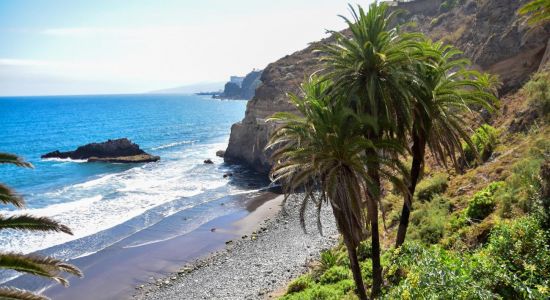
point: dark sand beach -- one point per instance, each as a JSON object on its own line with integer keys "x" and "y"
{"x": 115, "y": 272}
{"x": 253, "y": 267}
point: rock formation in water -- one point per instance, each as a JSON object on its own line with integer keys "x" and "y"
{"x": 489, "y": 32}
{"x": 119, "y": 151}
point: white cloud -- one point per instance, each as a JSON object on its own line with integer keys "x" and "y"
{"x": 157, "y": 56}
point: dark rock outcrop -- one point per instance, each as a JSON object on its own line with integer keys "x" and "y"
{"x": 119, "y": 150}
{"x": 489, "y": 32}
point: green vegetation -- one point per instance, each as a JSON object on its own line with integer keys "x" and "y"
{"x": 537, "y": 90}
{"x": 387, "y": 97}
{"x": 429, "y": 219}
{"x": 483, "y": 143}
{"x": 432, "y": 186}
{"x": 483, "y": 203}
{"x": 450, "y": 4}
{"x": 538, "y": 12}
{"x": 29, "y": 263}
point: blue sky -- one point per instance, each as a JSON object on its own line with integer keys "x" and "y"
{"x": 86, "y": 47}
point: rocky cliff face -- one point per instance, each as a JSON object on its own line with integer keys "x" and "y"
{"x": 246, "y": 89}
{"x": 489, "y": 32}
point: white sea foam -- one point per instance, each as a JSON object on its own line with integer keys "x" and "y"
{"x": 112, "y": 199}
{"x": 57, "y": 159}
{"x": 170, "y": 145}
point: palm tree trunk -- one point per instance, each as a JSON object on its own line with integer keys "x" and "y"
{"x": 419, "y": 145}
{"x": 356, "y": 270}
{"x": 372, "y": 203}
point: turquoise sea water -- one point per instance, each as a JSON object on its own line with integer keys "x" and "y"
{"x": 104, "y": 203}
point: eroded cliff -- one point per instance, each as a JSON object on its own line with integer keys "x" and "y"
{"x": 489, "y": 32}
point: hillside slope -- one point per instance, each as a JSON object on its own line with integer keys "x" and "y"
{"x": 489, "y": 32}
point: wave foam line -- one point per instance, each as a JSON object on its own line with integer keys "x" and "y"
{"x": 170, "y": 145}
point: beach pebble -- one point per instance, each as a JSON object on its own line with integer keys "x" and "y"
{"x": 256, "y": 265}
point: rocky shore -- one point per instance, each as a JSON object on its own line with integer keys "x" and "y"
{"x": 117, "y": 151}
{"x": 254, "y": 266}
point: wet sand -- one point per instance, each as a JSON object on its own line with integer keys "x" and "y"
{"x": 115, "y": 272}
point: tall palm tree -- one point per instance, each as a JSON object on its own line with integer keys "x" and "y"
{"x": 29, "y": 263}
{"x": 324, "y": 149}
{"x": 443, "y": 95}
{"x": 371, "y": 70}
{"x": 538, "y": 11}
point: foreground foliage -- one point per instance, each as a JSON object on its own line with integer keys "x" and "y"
{"x": 47, "y": 267}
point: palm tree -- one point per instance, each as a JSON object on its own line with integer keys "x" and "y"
{"x": 538, "y": 11}
{"x": 443, "y": 94}
{"x": 324, "y": 149}
{"x": 29, "y": 263}
{"x": 371, "y": 70}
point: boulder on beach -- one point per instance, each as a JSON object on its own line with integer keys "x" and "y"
{"x": 208, "y": 161}
{"x": 220, "y": 153}
{"x": 118, "y": 151}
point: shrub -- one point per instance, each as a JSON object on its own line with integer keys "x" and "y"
{"x": 364, "y": 250}
{"x": 520, "y": 253}
{"x": 334, "y": 274}
{"x": 317, "y": 292}
{"x": 537, "y": 90}
{"x": 484, "y": 140}
{"x": 299, "y": 284}
{"x": 323, "y": 292}
{"x": 328, "y": 260}
{"x": 429, "y": 187}
{"x": 483, "y": 202}
{"x": 433, "y": 273}
{"x": 428, "y": 220}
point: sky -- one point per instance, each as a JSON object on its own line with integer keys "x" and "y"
{"x": 61, "y": 47}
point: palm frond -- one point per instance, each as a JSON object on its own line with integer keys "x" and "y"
{"x": 9, "y": 196}
{"x": 38, "y": 265}
{"x": 11, "y": 293}
{"x": 7, "y": 158}
{"x": 30, "y": 223}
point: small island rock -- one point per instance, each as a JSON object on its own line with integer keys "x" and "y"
{"x": 118, "y": 151}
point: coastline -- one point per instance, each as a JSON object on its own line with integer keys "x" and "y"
{"x": 251, "y": 266}
{"x": 116, "y": 270}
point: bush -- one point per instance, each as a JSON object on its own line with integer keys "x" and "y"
{"x": 484, "y": 139}
{"x": 428, "y": 220}
{"x": 299, "y": 284}
{"x": 537, "y": 90}
{"x": 328, "y": 260}
{"x": 524, "y": 185}
{"x": 433, "y": 273}
{"x": 483, "y": 202}
{"x": 520, "y": 253}
{"x": 364, "y": 250}
{"x": 334, "y": 274}
{"x": 317, "y": 292}
{"x": 323, "y": 292}
{"x": 429, "y": 187}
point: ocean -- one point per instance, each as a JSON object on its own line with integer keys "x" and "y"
{"x": 106, "y": 203}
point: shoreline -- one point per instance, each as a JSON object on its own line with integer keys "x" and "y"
{"x": 117, "y": 270}
{"x": 256, "y": 266}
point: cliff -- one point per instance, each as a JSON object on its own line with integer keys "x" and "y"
{"x": 489, "y": 32}
{"x": 244, "y": 89}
